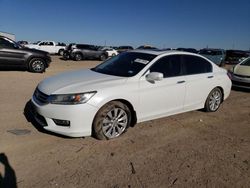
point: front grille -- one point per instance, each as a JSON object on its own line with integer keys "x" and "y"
{"x": 40, "y": 97}
{"x": 236, "y": 83}
{"x": 242, "y": 76}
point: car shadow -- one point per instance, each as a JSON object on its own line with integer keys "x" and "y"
{"x": 240, "y": 89}
{"x": 21, "y": 69}
{"x": 27, "y": 112}
{"x": 9, "y": 178}
{"x": 61, "y": 58}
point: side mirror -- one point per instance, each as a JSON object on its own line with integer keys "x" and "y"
{"x": 154, "y": 76}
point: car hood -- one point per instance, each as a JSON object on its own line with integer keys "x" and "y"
{"x": 33, "y": 50}
{"x": 78, "y": 82}
{"x": 242, "y": 70}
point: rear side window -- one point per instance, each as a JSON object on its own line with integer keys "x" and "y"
{"x": 82, "y": 46}
{"x": 195, "y": 65}
{"x": 170, "y": 66}
{"x": 6, "y": 44}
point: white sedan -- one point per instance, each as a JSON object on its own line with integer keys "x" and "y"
{"x": 132, "y": 87}
{"x": 111, "y": 52}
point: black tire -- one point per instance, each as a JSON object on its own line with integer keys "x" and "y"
{"x": 66, "y": 55}
{"x": 37, "y": 65}
{"x": 214, "y": 100}
{"x": 60, "y": 52}
{"x": 103, "y": 57}
{"x": 78, "y": 57}
{"x": 119, "y": 124}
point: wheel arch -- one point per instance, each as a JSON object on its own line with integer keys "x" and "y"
{"x": 128, "y": 104}
{"x": 35, "y": 57}
{"x": 222, "y": 92}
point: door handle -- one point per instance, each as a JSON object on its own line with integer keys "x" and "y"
{"x": 210, "y": 76}
{"x": 180, "y": 82}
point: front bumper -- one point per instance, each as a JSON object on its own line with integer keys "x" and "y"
{"x": 80, "y": 116}
{"x": 240, "y": 82}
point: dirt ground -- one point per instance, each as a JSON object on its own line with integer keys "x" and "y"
{"x": 194, "y": 149}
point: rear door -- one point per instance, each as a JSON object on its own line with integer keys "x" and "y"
{"x": 199, "y": 80}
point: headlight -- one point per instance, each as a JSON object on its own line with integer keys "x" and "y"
{"x": 78, "y": 98}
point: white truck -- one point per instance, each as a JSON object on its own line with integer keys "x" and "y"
{"x": 49, "y": 46}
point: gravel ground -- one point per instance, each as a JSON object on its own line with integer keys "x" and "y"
{"x": 194, "y": 149}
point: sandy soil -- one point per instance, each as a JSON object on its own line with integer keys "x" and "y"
{"x": 194, "y": 149}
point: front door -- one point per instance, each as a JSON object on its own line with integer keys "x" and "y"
{"x": 165, "y": 97}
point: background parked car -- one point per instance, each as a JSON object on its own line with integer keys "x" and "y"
{"x": 147, "y": 47}
{"x": 192, "y": 50}
{"x": 14, "y": 55}
{"x": 22, "y": 42}
{"x": 48, "y": 46}
{"x": 240, "y": 74}
{"x": 235, "y": 56}
{"x": 111, "y": 52}
{"x": 216, "y": 55}
{"x": 79, "y": 52}
{"x": 121, "y": 49}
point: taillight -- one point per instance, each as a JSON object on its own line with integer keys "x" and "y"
{"x": 229, "y": 74}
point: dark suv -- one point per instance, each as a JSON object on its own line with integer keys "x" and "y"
{"x": 14, "y": 55}
{"x": 79, "y": 52}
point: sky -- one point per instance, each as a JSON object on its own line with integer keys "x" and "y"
{"x": 161, "y": 23}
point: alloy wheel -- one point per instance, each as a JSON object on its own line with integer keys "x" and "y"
{"x": 115, "y": 123}
{"x": 215, "y": 100}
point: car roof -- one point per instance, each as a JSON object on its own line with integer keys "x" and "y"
{"x": 161, "y": 52}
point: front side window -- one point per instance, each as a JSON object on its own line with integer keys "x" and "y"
{"x": 195, "y": 65}
{"x": 126, "y": 64}
{"x": 169, "y": 66}
{"x": 42, "y": 44}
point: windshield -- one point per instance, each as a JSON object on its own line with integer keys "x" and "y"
{"x": 126, "y": 64}
{"x": 246, "y": 62}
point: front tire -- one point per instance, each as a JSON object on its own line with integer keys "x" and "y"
{"x": 103, "y": 57}
{"x": 111, "y": 121}
{"x": 37, "y": 65}
{"x": 214, "y": 100}
{"x": 78, "y": 57}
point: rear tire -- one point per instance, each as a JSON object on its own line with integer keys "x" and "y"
{"x": 214, "y": 100}
{"x": 111, "y": 121}
{"x": 60, "y": 52}
{"x": 37, "y": 65}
